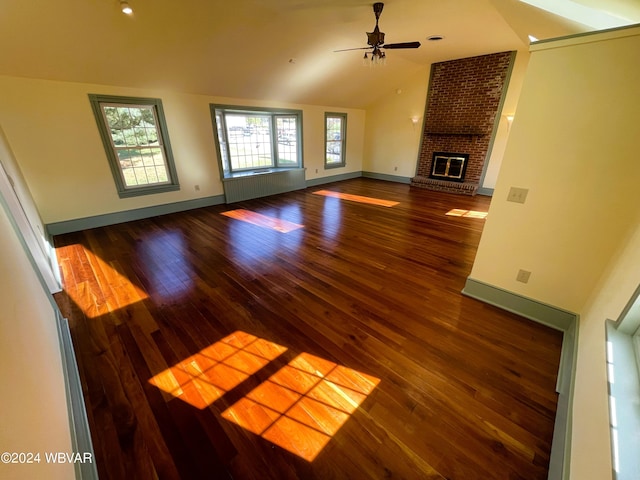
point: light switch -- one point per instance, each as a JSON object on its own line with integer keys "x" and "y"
{"x": 518, "y": 195}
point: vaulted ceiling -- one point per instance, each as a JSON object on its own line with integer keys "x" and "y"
{"x": 280, "y": 50}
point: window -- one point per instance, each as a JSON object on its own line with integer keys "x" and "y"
{"x": 623, "y": 372}
{"x": 335, "y": 134}
{"x": 251, "y": 139}
{"x": 135, "y": 138}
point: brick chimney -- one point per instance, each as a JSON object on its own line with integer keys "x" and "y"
{"x": 462, "y": 104}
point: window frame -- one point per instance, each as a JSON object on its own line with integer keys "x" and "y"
{"x": 97, "y": 101}
{"x": 219, "y": 122}
{"x": 623, "y": 374}
{"x": 342, "y": 140}
{"x": 635, "y": 337}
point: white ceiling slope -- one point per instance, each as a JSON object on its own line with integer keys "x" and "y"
{"x": 244, "y": 48}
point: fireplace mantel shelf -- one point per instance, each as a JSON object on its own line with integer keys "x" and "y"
{"x": 455, "y": 134}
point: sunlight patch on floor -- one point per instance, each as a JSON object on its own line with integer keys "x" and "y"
{"x": 302, "y": 405}
{"x": 113, "y": 290}
{"x": 264, "y": 221}
{"x": 458, "y": 212}
{"x": 299, "y": 408}
{"x": 203, "y": 378}
{"x": 357, "y": 198}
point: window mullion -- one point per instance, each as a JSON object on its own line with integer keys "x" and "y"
{"x": 275, "y": 153}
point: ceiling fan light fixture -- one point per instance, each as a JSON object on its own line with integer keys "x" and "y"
{"x": 126, "y": 8}
{"x": 435, "y": 38}
{"x": 375, "y": 58}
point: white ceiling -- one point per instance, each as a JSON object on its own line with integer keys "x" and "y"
{"x": 243, "y": 48}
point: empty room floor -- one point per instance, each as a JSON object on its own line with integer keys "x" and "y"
{"x": 312, "y": 335}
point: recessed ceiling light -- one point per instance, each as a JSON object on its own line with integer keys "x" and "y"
{"x": 435, "y": 38}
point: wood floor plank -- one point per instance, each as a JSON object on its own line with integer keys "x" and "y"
{"x": 348, "y": 336}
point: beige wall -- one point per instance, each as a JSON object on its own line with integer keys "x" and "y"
{"x": 33, "y": 401}
{"x": 52, "y": 132}
{"x": 22, "y": 192}
{"x": 503, "y": 130}
{"x": 392, "y": 140}
{"x": 314, "y": 147}
{"x": 576, "y": 121}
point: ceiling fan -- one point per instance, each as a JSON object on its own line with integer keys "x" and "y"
{"x": 375, "y": 40}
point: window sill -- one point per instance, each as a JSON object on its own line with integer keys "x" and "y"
{"x": 624, "y": 398}
{"x": 136, "y": 192}
{"x": 334, "y": 165}
{"x": 258, "y": 171}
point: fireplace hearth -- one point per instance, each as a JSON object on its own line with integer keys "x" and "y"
{"x": 449, "y": 166}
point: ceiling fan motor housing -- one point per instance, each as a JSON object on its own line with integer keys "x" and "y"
{"x": 375, "y": 38}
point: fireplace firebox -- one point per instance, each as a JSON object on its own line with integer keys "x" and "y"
{"x": 449, "y": 166}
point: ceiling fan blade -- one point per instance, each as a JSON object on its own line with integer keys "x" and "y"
{"x": 391, "y": 46}
{"x": 349, "y": 49}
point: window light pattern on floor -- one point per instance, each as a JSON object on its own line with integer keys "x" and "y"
{"x": 299, "y": 408}
{"x": 95, "y": 302}
{"x": 260, "y": 220}
{"x": 203, "y": 378}
{"x": 302, "y": 405}
{"x": 459, "y": 212}
{"x": 357, "y": 198}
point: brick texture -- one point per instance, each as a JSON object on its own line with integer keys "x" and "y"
{"x": 463, "y": 101}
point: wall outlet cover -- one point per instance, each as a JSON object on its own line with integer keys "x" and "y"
{"x": 523, "y": 276}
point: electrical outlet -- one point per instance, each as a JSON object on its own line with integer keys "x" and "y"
{"x": 523, "y": 276}
{"x": 517, "y": 195}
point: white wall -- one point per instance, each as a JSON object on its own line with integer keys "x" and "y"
{"x": 573, "y": 144}
{"x": 53, "y": 134}
{"x": 33, "y": 401}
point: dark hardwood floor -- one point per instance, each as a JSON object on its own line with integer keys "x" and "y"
{"x": 327, "y": 339}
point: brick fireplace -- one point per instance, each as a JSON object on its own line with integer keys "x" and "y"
{"x": 462, "y": 105}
